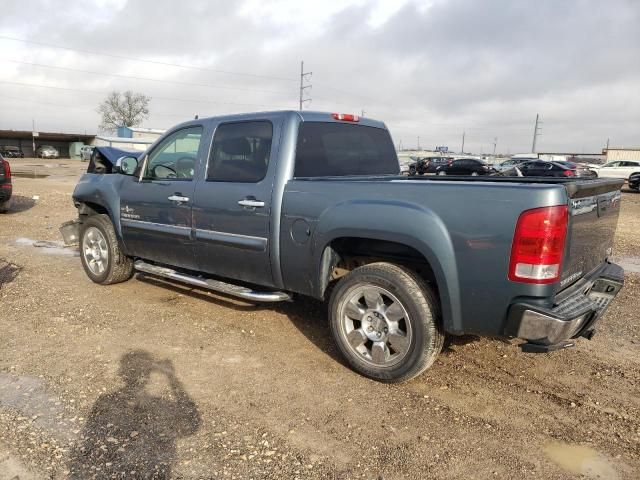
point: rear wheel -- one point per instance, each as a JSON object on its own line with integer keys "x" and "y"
{"x": 385, "y": 321}
{"x": 474, "y": 174}
{"x": 441, "y": 172}
{"x": 102, "y": 258}
{"x": 4, "y": 206}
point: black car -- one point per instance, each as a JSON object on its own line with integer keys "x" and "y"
{"x": 634, "y": 181}
{"x": 427, "y": 165}
{"x": 542, "y": 168}
{"x": 464, "y": 166}
{"x": 5, "y": 185}
{"x": 9, "y": 151}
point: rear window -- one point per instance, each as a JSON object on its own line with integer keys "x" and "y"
{"x": 336, "y": 149}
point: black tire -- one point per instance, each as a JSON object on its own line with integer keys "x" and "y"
{"x": 412, "y": 170}
{"x": 118, "y": 267}
{"x": 4, "y": 206}
{"x": 423, "y": 314}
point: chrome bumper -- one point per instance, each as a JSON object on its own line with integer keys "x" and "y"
{"x": 575, "y": 316}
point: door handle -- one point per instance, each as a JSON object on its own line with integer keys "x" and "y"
{"x": 178, "y": 198}
{"x": 251, "y": 202}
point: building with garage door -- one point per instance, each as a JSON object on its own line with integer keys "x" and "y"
{"x": 67, "y": 144}
{"x": 615, "y": 154}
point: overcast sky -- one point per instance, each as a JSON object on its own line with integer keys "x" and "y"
{"x": 428, "y": 68}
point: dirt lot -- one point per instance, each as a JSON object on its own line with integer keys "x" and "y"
{"x": 148, "y": 380}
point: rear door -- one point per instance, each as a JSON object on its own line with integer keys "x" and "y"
{"x": 155, "y": 209}
{"x": 232, "y": 209}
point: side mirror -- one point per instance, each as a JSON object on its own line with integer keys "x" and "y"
{"x": 126, "y": 165}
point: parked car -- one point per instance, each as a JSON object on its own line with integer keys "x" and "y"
{"x": 541, "y": 168}
{"x": 47, "y": 151}
{"x": 265, "y": 206}
{"x": 634, "y": 181}
{"x": 85, "y": 153}
{"x": 427, "y": 165}
{"x": 6, "y": 188}
{"x": 511, "y": 163}
{"x": 11, "y": 151}
{"x": 464, "y": 166}
{"x": 618, "y": 169}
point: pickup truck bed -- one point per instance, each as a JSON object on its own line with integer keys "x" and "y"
{"x": 269, "y": 205}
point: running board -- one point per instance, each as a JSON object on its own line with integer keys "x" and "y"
{"x": 216, "y": 285}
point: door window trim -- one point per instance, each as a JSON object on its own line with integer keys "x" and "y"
{"x": 147, "y": 154}
{"x": 213, "y": 139}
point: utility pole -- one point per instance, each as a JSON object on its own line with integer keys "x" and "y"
{"x": 303, "y": 87}
{"x": 362, "y": 114}
{"x": 33, "y": 136}
{"x": 536, "y": 132}
{"x": 607, "y": 144}
{"x": 418, "y": 142}
{"x": 495, "y": 143}
{"x": 462, "y": 149}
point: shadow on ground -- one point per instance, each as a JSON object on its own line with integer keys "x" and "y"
{"x": 306, "y": 314}
{"x": 8, "y": 272}
{"x": 132, "y": 433}
{"x": 19, "y": 203}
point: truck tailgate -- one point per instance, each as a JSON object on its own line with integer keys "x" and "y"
{"x": 594, "y": 206}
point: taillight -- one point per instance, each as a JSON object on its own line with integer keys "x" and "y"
{"x": 7, "y": 171}
{"x": 450, "y": 162}
{"x": 569, "y": 173}
{"x": 538, "y": 245}
{"x": 345, "y": 117}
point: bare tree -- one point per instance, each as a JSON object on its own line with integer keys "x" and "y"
{"x": 128, "y": 109}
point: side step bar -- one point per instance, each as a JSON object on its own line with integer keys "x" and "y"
{"x": 216, "y": 285}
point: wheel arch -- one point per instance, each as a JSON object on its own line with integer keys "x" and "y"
{"x": 420, "y": 242}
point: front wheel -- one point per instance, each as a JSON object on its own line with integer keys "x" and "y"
{"x": 102, "y": 258}
{"x": 385, "y": 321}
{"x": 441, "y": 172}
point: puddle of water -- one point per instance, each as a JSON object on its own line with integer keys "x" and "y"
{"x": 48, "y": 247}
{"x": 630, "y": 264}
{"x": 580, "y": 460}
{"x": 29, "y": 175}
{"x": 29, "y": 396}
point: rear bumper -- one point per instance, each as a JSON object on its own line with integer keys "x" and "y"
{"x": 575, "y": 316}
{"x": 5, "y": 192}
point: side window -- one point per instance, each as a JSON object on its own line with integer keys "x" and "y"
{"x": 240, "y": 152}
{"x": 612, "y": 164}
{"x": 175, "y": 158}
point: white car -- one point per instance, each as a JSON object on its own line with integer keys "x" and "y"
{"x": 85, "y": 153}
{"x": 618, "y": 169}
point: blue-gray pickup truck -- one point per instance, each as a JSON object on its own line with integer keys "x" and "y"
{"x": 268, "y": 206}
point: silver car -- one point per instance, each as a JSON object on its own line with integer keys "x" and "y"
{"x": 47, "y": 151}
{"x": 85, "y": 153}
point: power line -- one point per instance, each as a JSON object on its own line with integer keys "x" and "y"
{"x": 102, "y": 92}
{"x": 120, "y": 75}
{"x": 303, "y": 87}
{"x": 134, "y": 59}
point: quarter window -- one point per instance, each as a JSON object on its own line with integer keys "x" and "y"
{"x": 240, "y": 152}
{"x": 175, "y": 158}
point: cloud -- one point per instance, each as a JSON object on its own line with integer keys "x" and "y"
{"x": 427, "y": 68}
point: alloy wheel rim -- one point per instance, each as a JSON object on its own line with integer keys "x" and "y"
{"x": 95, "y": 251}
{"x": 375, "y": 326}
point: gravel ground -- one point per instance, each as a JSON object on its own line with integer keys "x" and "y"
{"x": 150, "y": 380}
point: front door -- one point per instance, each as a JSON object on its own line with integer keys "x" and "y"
{"x": 232, "y": 209}
{"x": 155, "y": 209}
